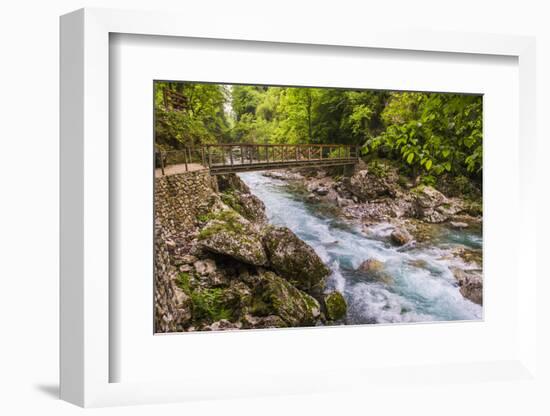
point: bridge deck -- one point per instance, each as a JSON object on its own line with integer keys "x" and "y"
{"x": 219, "y": 169}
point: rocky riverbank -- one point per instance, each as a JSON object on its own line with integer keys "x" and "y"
{"x": 376, "y": 195}
{"x": 227, "y": 268}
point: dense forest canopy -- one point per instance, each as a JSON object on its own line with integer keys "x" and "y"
{"x": 427, "y": 134}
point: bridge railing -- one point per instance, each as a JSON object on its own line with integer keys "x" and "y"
{"x": 248, "y": 154}
{"x": 226, "y": 155}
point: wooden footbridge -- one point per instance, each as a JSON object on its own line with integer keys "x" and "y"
{"x": 233, "y": 158}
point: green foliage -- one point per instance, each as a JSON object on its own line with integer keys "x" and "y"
{"x": 435, "y": 133}
{"x": 427, "y": 134}
{"x": 203, "y": 120}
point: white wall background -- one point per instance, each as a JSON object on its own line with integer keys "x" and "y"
{"x": 29, "y": 200}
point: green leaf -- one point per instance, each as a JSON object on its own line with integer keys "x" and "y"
{"x": 410, "y": 158}
{"x": 428, "y": 165}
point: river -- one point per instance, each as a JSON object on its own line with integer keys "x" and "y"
{"x": 422, "y": 287}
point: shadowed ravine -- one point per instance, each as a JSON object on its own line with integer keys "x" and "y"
{"x": 420, "y": 285}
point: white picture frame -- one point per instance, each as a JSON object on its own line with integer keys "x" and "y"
{"x": 85, "y": 182}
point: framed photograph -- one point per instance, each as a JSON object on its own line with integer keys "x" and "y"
{"x": 236, "y": 209}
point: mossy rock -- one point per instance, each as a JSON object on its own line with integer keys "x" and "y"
{"x": 294, "y": 260}
{"x": 336, "y": 306}
{"x": 246, "y": 204}
{"x": 279, "y": 297}
{"x": 231, "y": 182}
{"x": 228, "y": 233}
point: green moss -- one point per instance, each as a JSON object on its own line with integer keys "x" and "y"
{"x": 209, "y": 304}
{"x": 260, "y": 307}
{"x": 183, "y": 282}
{"x": 229, "y": 198}
{"x": 203, "y": 217}
{"x": 227, "y": 220}
{"x": 336, "y": 306}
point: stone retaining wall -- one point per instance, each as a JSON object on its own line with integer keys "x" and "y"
{"x": 178, "y": 201}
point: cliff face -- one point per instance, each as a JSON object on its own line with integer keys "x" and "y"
{"x": 218, "y": 267}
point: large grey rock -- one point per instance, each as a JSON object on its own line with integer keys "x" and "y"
{"x": 432, "y": 206}
{"x": 236, "y": 194}
{"x": 279, "y": 297}
{"x": 294, "y": 260}
{"x": 367, "y": 186}
{"x": 400, "y": 236}
{"x": 228, "y": 233}
{"x": 471, "y": 284}
{"x": 231, "y": 181}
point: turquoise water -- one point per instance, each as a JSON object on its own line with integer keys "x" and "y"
{"x": 422, "y": 287}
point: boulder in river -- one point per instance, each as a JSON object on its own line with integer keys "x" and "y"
{"x": 336, "y": 306}
{"x": 294, "y": 260}
{"x": 371, "y": 265}
{"x": 228, "y": 233}
{"x": 279, "y": 297}
{"x": 400, "y": 236}
{"x": 374, "y": 270}
{"x": 471, "y": 284}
